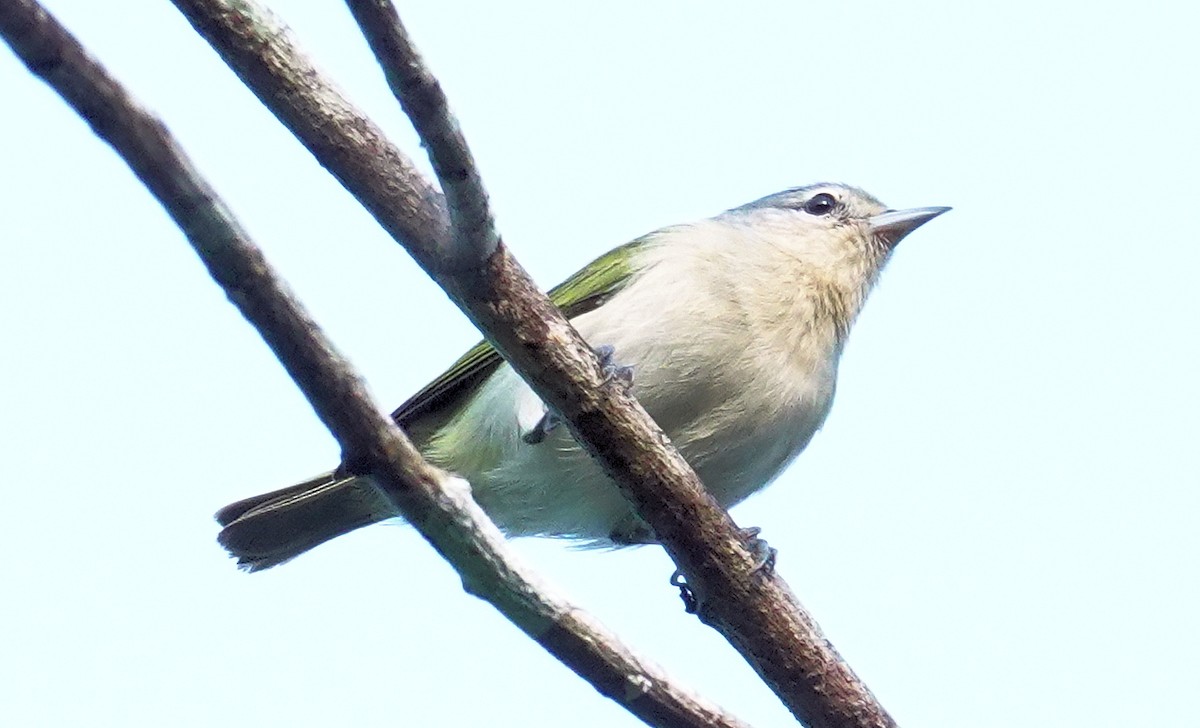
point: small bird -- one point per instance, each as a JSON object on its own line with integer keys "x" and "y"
{"x": 729, "y": 330}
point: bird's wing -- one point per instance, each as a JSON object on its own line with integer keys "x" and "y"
{"x": 585, "y": 291}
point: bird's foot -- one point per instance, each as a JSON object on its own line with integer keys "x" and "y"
{"x": 622, "y": 375}
{"x": 764, "y": 561}
{"x": 543, "y": 427}
{"x": 613, "y": 372}
{"x": 685, "y": 592}
{"x": 764, "y": 554}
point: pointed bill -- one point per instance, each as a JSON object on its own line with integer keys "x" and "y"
{"x": 893, "y": 225}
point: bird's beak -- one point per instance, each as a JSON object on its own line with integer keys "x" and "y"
{"x": 893, "y": 225}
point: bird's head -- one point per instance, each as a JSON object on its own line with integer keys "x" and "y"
{"x": 831, "y": 221}
{"x": 829, "y": 240}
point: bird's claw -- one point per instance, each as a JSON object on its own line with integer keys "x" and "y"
{"x": 548, "y": 422}
{"x": 764, "y": 561}
{"x": 613, "y": 372}
{"x": 622, "y": 375}
{"x": 764, "y": 554}
{"x": 685, "y": 592}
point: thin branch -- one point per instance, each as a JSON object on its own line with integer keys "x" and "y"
{"x": 754, "y": 610}
{"x": 439, "y": 505}
{"x": 422, "y": 98}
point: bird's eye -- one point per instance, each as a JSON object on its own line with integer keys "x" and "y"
{"x": 821, "y": 204}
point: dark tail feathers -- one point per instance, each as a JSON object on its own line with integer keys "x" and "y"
{"x": 269, "y": 529}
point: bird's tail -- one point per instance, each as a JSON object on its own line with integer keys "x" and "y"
{"x": 269, "y": 529}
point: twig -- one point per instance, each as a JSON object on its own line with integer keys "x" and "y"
{"x": 422, "y": 98}
{"x": 755, "y": 611}
{"x": 437, "y": 504}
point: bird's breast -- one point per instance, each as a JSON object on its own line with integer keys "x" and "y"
{"x": 737, "y": 370}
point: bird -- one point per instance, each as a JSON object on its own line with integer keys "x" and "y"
{"x": 728, "y": 330}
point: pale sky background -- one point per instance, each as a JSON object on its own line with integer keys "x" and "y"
{"x": 996, "y": 527}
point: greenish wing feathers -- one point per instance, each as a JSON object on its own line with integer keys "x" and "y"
{"x": 585, "y": 291}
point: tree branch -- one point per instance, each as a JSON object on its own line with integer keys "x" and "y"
{"x": 437, "y": 504}
{"x": 422, "y": 98}
{"x": 753, "y": 609}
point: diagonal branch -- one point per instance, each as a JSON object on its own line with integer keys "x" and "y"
{"x": 422, "y": 98}
{"x": 439, "y": 505}
{"x": 756, "y": 612}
